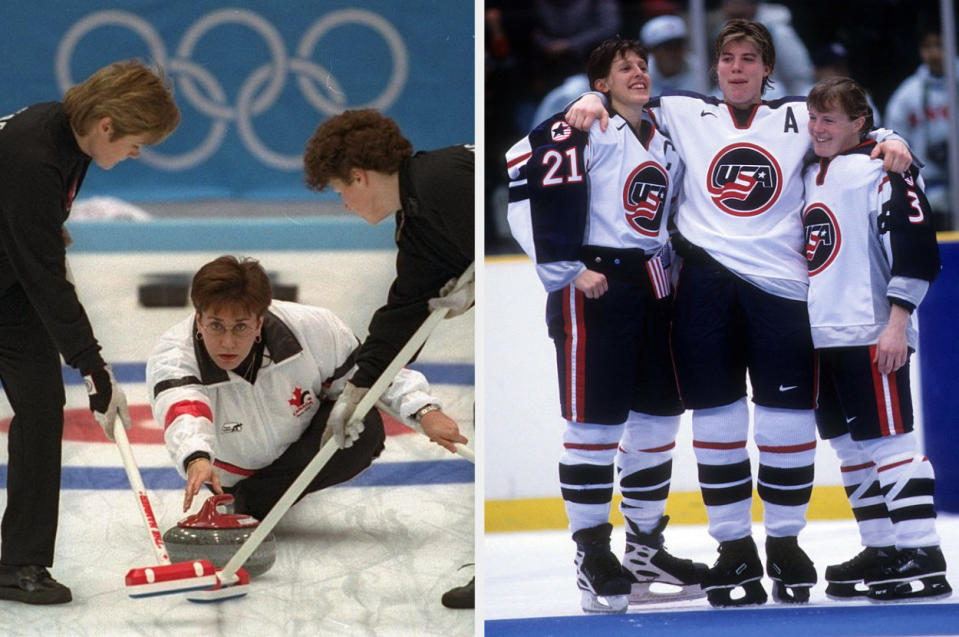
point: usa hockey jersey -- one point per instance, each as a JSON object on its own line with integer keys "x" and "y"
{"x": 569, "y": 189}
{"x": 742, "y": 193}
{"x": 869, "y": 241}
{"x": 245, "y": 427}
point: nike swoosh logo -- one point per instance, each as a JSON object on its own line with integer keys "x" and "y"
{"x": 849, "y": 420}
{"x": 705, "y": 113}
{"x": 784, "y": 388}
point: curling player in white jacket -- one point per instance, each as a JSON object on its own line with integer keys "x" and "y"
{"x": 243, "y": 389}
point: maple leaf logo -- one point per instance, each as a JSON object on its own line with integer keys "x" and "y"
{"x": 301, "y": 400}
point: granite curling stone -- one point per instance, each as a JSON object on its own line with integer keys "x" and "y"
{"x": 214, "y": 534}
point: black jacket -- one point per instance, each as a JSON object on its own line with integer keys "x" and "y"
{"x": 41, "y": 170}
{"x": 435, "y": 234}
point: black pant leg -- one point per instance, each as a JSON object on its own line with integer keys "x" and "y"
{"x": 258, "y": 493}
{"x": 32, "y": 381}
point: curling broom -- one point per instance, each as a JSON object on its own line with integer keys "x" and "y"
{"x": 165, "y": 578}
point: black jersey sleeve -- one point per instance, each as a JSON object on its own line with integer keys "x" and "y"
{"x": 558, "y": 190}
{"x": 907, "y": 218}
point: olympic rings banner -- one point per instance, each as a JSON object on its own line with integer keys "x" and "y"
{"x": 253, "y": 80}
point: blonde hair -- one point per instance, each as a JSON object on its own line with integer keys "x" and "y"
{"x": 137, "y": 99}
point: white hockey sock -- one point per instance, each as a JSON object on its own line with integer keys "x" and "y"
{"x": 725, "y": 474}
{"x": 786, "y": 439}
{"x": 645, "y": 465}
{"x": 586, "y": 472}
{"x": 861, "y": 481}
{"x": 907, "y": 481}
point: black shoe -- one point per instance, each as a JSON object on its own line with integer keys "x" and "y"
{"x": 461, "y": 596}
{"x": 925, "y": 566}
{"x": 846, "y": 580}
{"x": 737, "y": 566}
{"x": 791, "y": 570}
{"x": 604, "y": 584}
{"x": 31, "y": 585}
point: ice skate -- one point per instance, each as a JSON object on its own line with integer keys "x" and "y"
{"x": 913, "y": 574}
{"x": 791, "y": 570}
{"x": 738, "y": 566}
{"x": 648, "y": 563}
{"x": 843, "y": 580}
{"x": 604, "y": 583}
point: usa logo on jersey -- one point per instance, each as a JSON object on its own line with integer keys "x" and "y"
{"x": 744, "y": 180}
{"x": 822, "y": 237}
{"x": 644, "y": 198}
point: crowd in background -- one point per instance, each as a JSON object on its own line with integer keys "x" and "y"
{"x": 535, "y": 55}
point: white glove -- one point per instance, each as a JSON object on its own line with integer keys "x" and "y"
{"x": 107, "y": 400}
{"x": 457, "y": 301}
{"x": 340, "y": 423}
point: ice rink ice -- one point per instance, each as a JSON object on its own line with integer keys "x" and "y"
{"x": 369, "y": 558}
{"x": 531, "y": 575}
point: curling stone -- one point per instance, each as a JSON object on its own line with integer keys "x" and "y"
{"x": 216, "y": 535}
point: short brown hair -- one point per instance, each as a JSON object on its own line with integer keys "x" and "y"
{"x": 362, "y": 139}
{"x": 753, "y": 32}
{"x": 137, "y": 99}
{"x": 601, "y": 58}
{"x": 846, "y": 95}
{"x": 230, "y": 281}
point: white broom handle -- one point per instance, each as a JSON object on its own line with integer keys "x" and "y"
{"x": 143, "y": 502}
{"x": 403, "y": 357}
{"x": 228, "y": 574}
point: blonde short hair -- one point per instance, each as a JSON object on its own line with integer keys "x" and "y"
{"x": 137, "y": 99}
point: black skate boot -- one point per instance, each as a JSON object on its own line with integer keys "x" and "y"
{"x": 843, "y": 579}
{"x": 898, "y": 579}
{"x": 738, "y": 565}
{"x": 604, "y": 582}
{"x": 790, "y": 569}
{"x": 647, "y": 561}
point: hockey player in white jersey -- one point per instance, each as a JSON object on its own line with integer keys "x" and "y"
{"x": 872, "y": 254}
{"x": 591, "y": 211}
{"x": 741, "y": 308}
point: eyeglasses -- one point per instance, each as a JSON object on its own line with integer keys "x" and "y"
{"x": 217, "y": 328}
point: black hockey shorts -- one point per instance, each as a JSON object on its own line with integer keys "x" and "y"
{"x": 855, "y": 398}
{"x": 612, "y": 353}
{"x": 724, "y": 326}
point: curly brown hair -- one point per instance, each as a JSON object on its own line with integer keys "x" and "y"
{"x": 228, "y": 281}
{"x": 362, "y": 139}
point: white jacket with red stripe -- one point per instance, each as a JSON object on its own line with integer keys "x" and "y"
{"x": 245, "y": 427}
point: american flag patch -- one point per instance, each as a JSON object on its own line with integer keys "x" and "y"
{"x": 658, "y": 276}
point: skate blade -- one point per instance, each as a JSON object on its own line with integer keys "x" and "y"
{"x": 593, "y": 603}
{"x": 643, "y": 593}
{"x": 845, "y": 591}
{"x": 933, "y": 588}
{"x": 749, "y": 593}
{"x": 794, "y": 594}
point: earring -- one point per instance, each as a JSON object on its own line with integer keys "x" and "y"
{"x": 258, "y": 339}
{"x": 199, "y": 336}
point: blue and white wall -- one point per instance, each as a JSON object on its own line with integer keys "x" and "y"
{"x": 252, "y": 79}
